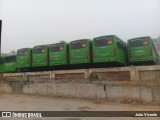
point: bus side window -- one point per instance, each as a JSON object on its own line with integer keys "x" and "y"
{"x": 121, "y": 45}
{"x": 12, "y": 59}
{"x": 118, "y": 44}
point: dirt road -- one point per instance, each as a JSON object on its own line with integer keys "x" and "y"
{"x": 10, "y": 102}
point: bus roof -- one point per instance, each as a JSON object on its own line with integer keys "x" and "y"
{"x": 46, "y": 45}
{"x": 58, "y": 43}
{"x": 80, "y": 40}
{"x": 104, "y": 36}
{"x": 3, "y": 54}
{"x": 139, "y": 37}
{"x": 10, "y": 55}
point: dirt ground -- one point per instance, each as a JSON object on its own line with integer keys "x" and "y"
{"x": 10, "y": 102}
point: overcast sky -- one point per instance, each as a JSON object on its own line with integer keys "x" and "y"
{"x": 34, "y": 22}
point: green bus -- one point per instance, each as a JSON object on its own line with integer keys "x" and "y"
{"x": 9, "y": 63}
{"x": 141, "y": 51}
{"x": 24, "y": 58}
{"x": 109, "y": 49}
{"x": 40, "y": 56}
{"x": 80, "y": 51}
{"x": 2, "y": 61}
{"x": 1, "y": 64}
{"x": 58, "y": 54}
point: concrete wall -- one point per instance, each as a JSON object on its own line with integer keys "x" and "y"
{"x": 133, "y": 92}
{"x": 149, "y": 75}
{"x": 1, "y": 76}
{"x": 113, "y": 76}
{"x": 132, "y": 73}
{"x": 147, "y": 72}
{"x": 82, "y": 90}
{"x": 140, "y": 83}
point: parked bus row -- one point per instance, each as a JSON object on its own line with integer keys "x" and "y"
{"x": 104, "y": 51}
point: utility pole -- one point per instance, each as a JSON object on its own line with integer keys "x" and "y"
{"x": 0, "y": 42}
{"x": 0, "y": 35}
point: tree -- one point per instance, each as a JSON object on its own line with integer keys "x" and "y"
{"x": 12, "y": 52}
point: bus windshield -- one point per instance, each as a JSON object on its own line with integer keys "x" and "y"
{"x": 22, "y": 52}
{"x": 57, "y": 47}
{"x": 138, "y": 42}
{"x": 78, "y": 44}
{"x": 38, "y": 49}
{"x": 103, "y": 41}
